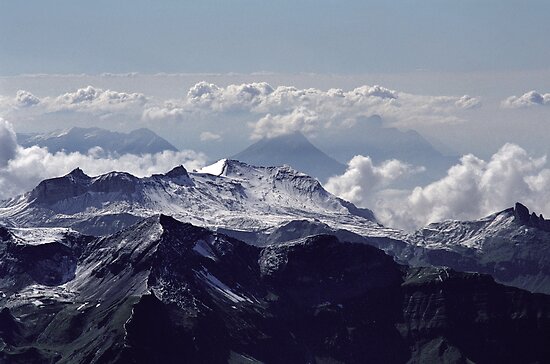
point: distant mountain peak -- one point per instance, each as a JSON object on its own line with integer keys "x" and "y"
{"x": 295, "y": 150}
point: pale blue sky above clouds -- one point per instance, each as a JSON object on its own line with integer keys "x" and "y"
{"x": 488, "y": 49}
{"x": 320, "y": 36}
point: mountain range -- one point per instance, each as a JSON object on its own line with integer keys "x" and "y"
{"x": 139, "y": 141}
{"x": 163, "y": 291}
{"x": 240, "y": 263}
{"x": 270, "y": 205}
{"x": 370, "y": 138}
{"x": 228, "y": 194}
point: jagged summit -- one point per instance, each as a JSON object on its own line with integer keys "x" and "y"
{"x": 521, "y": 212}
{"x": 78, "y": 173}
{"x": 512, "y": 245}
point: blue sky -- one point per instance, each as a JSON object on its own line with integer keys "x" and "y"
{"x": 282, "y": 36}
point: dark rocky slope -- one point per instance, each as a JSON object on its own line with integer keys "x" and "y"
{"x": 167, "y": 292}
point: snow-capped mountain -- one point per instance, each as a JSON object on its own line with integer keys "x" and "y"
{"x": 139, "y": 141}
{"x": 166, "y": 291}
{"x": 272, "y": 205}
{"x": 512, "y": 245}
{"x": 228, "y": 194}
{"x": 294, "y": 150}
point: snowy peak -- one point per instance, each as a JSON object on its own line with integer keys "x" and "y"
{"x": 276, "y": 176}
{"x": 228, "y": 168}
{"x": 228, "y": 194}
{"x": 511, "y": 245}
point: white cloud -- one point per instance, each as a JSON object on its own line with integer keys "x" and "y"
{"x": 334, "y": 107}
{"x": 96, "y": 99}
{"x": 467, "y": 102}
{"x": 300, "y": 119}
{"x": 25, "y": 99}
{"x": 363, "y": 179}
{"x": 260, "y": 101}
{"x": 8, "y": 142}
{"x": 471, "y": 189}
{"x": 21, "y": 169}
{"x": 531, "y": 98}
{"x": 241, "y": 97}
{"x": 209, "y": 136}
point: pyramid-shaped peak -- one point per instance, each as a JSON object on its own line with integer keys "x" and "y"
{"x": 178, "y": 171}
{"x": 292, "y": 149}
{"x": 78, "y": 173}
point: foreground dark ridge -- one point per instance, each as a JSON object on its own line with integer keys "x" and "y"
{"x": 167, "y": 292}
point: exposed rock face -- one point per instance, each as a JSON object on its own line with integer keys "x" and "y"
{"x": 522, "y": 214}
{"x": 53, "y": 190}
{"x": 50, "y": 261}
{"x": 513, "y": 246}
{"x": 165, "y": 291}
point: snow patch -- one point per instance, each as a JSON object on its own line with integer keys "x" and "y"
{"x": 215, "y": 169}
{"x": 221, "y": 287}
{"x": 38, "y": 236}
{"x": 202, "y": 248}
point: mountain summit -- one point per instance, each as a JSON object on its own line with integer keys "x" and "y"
{"x": 294, "y": 150}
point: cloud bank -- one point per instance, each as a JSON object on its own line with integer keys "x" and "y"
{"x": 363, "y": 179}
{"x": 471, "y": 189}
{"x": 88, "y": 99}
{"x": 528, "y": 99}
{"x": 21, "y": 169}
{"x": 286, "y": 109}
{"x": 268, "y": 111}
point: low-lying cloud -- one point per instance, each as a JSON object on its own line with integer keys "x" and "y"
{"x": 363, "y": 179}
{"x": 286, "y": 109}
{"x": 272, "y": 109}
{"x": 471, "y": 189}
{"x": 95, "y": 99}
{"x": 21, "y": 169}
{"x": 87, "y": 99}
{"x": 528, "y": 99}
